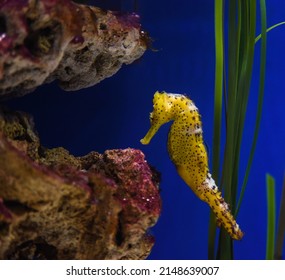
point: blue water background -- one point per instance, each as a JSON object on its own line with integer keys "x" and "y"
{"x": 114, "y": 115}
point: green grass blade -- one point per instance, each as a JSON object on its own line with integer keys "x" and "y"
{"x": 269, "y": 29}
{"x": 260, "y": 100}
{"x": 245, "y": 74}
{"x": 219, "y": 53}
{"x": 270, "y": 184}
{"x": 211, "y": 236}
{"x": 233, "y": 65}
{"x": 219, "y": 47}
{"x": 281, "y": 226}
{"x": 225, "y": 248}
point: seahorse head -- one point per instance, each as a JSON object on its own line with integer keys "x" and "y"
{"x": 162, "y": 113}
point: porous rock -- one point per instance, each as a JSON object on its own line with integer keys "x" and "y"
{"x": 54, "y": 205}
{"x": 78, "y": 45}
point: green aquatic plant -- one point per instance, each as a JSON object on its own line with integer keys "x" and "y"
{"x": 274, "y": 243}
{"x": 281, "y": 226}
{"x": 233, "y": 74}
{"x": 271, "y": 217}
{"x": 232, "y": 87}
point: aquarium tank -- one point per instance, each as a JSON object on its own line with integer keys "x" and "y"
{"x": 228, "y": 58}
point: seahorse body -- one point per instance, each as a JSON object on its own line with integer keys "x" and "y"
{"x": 187, "y": 151}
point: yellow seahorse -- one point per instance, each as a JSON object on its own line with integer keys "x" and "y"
{"x": 187, "y": 151}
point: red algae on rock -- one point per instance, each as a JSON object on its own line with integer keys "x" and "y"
{"x": 78, "y": 45}
{"x": 57, "y": 206}
{"x": 137, "y": 178}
